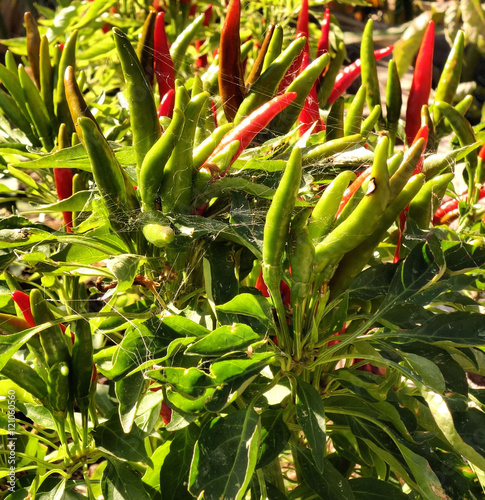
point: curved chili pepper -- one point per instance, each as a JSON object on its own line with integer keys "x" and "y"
{"x": 33, "y": 46}
{"x": 310, "y": 114}
{"x": 302, "y": 24}
{"x": 63, "y": 179}
{"x": 23, "y": 302}
{"x": 258, "y": 63}
{"x": 252, "y": 125}
{"x": 369, "y": 67}
{"x": 335, "y": 120}
{"x": 323, "y": 42}
{"x": 231, "y": 80}
{"x": 274, "y": 48}
{"x": 393, "y": 102}
{"x": 350, "y": 191}
{"x": 345, "y": 78}
{"x": 163, "y": 64}
{"x": 353, "y": 116}
{"x": 46, "y": 75}
{"x": 421, "y": 84}
{"x": 165, "y": 108}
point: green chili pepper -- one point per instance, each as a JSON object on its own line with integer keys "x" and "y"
{"x": 47, "y": 80}
{"x": 10, "y": 62}
{"x": 274, "y": 48}
{"x": 11, "y": 82}
{"x": 181, "y": 44}
{"x": 335, "y": 121}
{"x": 159, "y": 235}
{"x": 369, "y": 66}
{"x": 25, "y": 377}
{"x": 323, "y": 215}
{"x": 33, "y": 45}
{"x": 425, "y": 203}
{"x": 150, "y": 174}
{"x": 328, "y": 81}
{"x": 12, "y": 324}
{"x": 276, "y": 234}
{"x": 394, "y": 162}
{"x": 464, "y": 131}
{"x": 322, "y": 151}
{"x": 363, "y": 220}
{"x": 75, "y": 100}
{"x": 68, "y": 58}
{"x": 265, "y": 87}
{"x": 77, "y": 185}
{"x": 205, "y": 149}
{"x": 176, "y": 188}
{"x": 144, "y": 49}
{"x": 302, "y": 85}
{"x": 143, "y": 111}
{"x": 353, "y": 117}
{"x": 356, "y": 259}
{"x": 52, "y": 339}
{"x": 393, "y": 102}
{"x": 58, "y": 388}
{"x": 37, "y": 110}
{"x": 369, "y": 123}
{"x": 406, "y": 168}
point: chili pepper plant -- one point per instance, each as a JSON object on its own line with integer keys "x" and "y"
{"x": 224, "y": 276}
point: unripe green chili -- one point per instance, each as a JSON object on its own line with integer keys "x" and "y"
{"x": 276, "y": 233}
{"x": 47, "y": 79}
{"x": 205, "y": 149}
{"x": 369, "y": 66}
{"x": 302, "y": 85}
{"x": 176, "y": 188}
{"x": 322, "y": 151}
{"x": 258, "y": 63}
{"x": 37, "y": 110}
{"x": 159, "y": 235}
{"x": 424, "y": 204}
{"x": 58, "y": 388}
{"x": 10, "y": 62}
{"x": 143, "y": 111}
{"x": 406, "y": 168}
{"x": 369, "y": 123}
{"x": 180, "y": 45}
{"x": 335, "y": 121}
{"x": 150, "y": 174}
{"x": 353, "y": 117}
{"x": 33, "y": 45}
{"x": 394, "y": 162}
{"x": 323, "y": 215}
{"x": 11, "y": 82}
{"x": 362, "y": 222}
{"x": 14, "y": 114}
{"x": 265, "y": 87}
{"x": 144, "y": 49}
{"x": 82, "y": 360}
{"x": 25, "y": 377}
{"x": 328, "y": 80}
{"x": 464, "y": 131}
{"x": 274, "y": 48}
{"x": 52, "y": 339}
{"x": 356, "y": 259}
{"x": 393, "y": 102}
{"x": 68, "y": 58}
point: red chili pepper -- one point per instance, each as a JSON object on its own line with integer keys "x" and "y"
{"x": 449, "y": 209}
{"x": 23, "y": 302}
{"x": 302, "y": 23}
{"x": 165, "y": 108}
{"x": 333, "y": 342}
{"x": 348, "y": 193}
{"x": 284, "y": 289}
{"x": 423, "y": 132}
{"x": 214, "y": 113}
{"x": 201, "y": 61}
{"x": 166, "y": 413}
{"x": 163, "y": 64}
{"x": 310, "y": 113}
{"x": 421, "y": 84}
{"x": 246, "y": 130}
{"x": 345, "y": 78}
{"x": 481, "y": 153}
{"x": 323, "y": 43}
{"x": 63, "y": 180}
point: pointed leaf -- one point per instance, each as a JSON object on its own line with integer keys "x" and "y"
{"x": 247, "y": 304}
{"x": 369, "y": 488}
{"x": 129, "y": 391}
{"x": 120, "y": 481}
{"x": 274, "y": 436}
{"x": 225, "y": 456}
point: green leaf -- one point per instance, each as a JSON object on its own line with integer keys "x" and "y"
{"x": 373, "y": 282}
{"x": 10, "y": 344}
{"x": 111, "y": 438}
{"x": 427, "y": 370}
{"x": 120, "y": 481}
{"x": 310, "y": 414}
{"x": 78, "y": 202}
{"x": 225, "y": 456}
{"x": 129, "y": 391}
{"x": 247, "y": 304}
{"x": 330, "y": 484}
{"x": 224, "y": 340}
{"x": 124, "y": 267}
{"x": 189, "y": 381}
{"x": 473, "y": 22}
{"x": 369, "y": 488}
{"x": 274, "y": 436}
{"x": 95, "y": 9}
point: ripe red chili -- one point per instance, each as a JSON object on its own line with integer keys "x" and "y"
{"x": 165, "y": 108}
{"x": 63, "y": 180}
{"x": 163, "y": 64}
{"x": 323, "y": 42}
{"x": 310, "y": 113}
